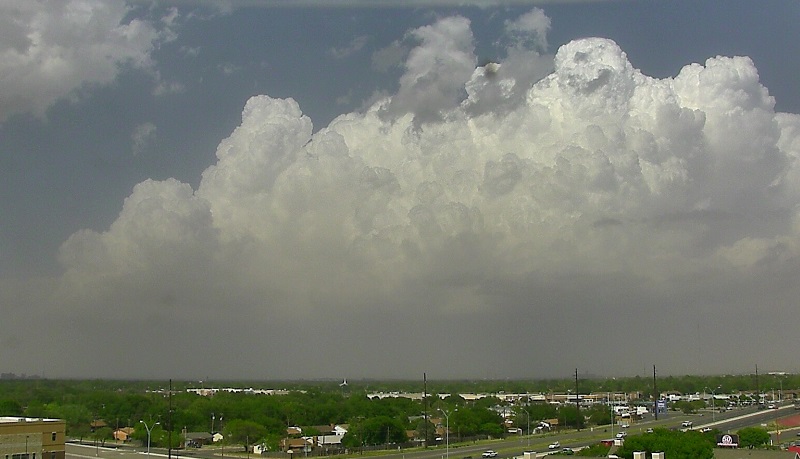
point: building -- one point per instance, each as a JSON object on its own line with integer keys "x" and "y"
{"x": 197, "y": 439}
{"x": 32, "y": 438}
{"x": 124, "y": 434}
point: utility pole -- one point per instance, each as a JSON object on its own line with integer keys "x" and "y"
{"x": 169, "y": 422}
{"x": 577, "y": 402}
{"x": 758, "y": 390}
{"x": 655, "y": 393}
{"x": 528, "y": 418}
{"x": 425, "y": 406}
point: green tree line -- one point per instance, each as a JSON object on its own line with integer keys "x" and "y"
{"x": 372, "y": 421}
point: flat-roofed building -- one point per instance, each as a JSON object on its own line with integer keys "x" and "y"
{"x": 31, "y": 438}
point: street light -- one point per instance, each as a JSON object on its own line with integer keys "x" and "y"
{"x": 222, "y": 439}
{"x": 447, "y": 432}
{"x": 528, "y": 418}
{"x": 148, "y": 434}
{"x": 713, "y": 407}
{"x": 611, "y": 402}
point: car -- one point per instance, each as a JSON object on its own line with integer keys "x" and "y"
{"x": 554, "y": 445}
{"x": 567, "y": 452}
{"x": 622, "y": 434}
{"x": 772, "y": 406}
{"x": 649, "y": 430}
{"x": 686, "y": 424}
{"x": 489, "y": 453}
{"x": 705, "y": 429}
{"x": 625, "y": 425}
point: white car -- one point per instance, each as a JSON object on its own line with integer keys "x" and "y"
{"x": 554, "y": 445}
{"x": 622, "y": 434}
{"x": 489, "y": 453}
{"x": 686, "y": 424}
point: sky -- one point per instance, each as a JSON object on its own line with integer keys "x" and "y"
{"x": 278, "y": 189}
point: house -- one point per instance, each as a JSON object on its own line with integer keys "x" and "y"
{"x": 97, "y": 424}
{"x": 297, "y": 444}
{"x": 328, "y": 441}
{"x": 124, "y": 434}
{"x": 198, "y": 439}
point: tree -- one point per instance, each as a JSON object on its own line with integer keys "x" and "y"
{"x": 382, "y": 429}
{"x": 80, "y": 431}
{"x": 243, "y": 432}
{"x": 571, "y": 417}
{"x": 598, "y": 450}
{"x": 599, "y": 414}
{"x": 476, "y": 420}
{"x": 541, "y": 411}
{"x": 752, "y": 437}
{"x": 426, "y": 431}
{"x": 9, "y": 407}
{"x": 675, "y": 444}
{"x": 102, "y": 434}
{"x": 688, "y": 407}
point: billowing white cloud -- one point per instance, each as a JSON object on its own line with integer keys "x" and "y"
{"x": 597, "y": 197}
{"x": 435, "y": 71}
{"x": 524, "y": 64}
{"x": 530, "y": 30}
{"x": 51, "y": 48}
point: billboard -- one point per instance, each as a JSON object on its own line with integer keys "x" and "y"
{"x": 728, "y": 440}
{"x": 661, "y": 406}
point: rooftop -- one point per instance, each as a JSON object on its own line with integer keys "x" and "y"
{"x": 13, "y": 419}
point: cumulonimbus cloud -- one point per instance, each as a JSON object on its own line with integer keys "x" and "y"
{"x": 465, "y": 181}
{"x": 671, "y": 161}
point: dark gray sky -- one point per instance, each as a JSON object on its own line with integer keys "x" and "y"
{"x": 467, "y": 189}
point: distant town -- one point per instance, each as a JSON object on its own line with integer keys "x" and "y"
{"x": 279, "y": 419}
